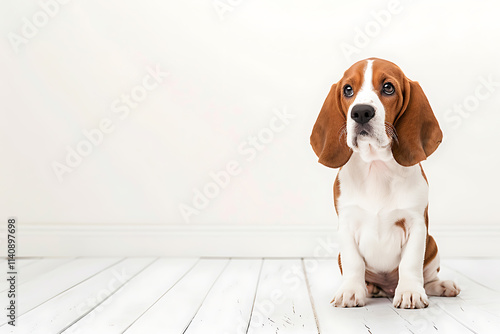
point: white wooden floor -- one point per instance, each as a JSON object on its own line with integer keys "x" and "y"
{"x": 232, "y": 296}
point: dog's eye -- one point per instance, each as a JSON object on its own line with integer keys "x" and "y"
{"x": 348, "y": 91}
{"x": 388, "y": 88}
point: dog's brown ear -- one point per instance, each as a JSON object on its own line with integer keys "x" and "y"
{"x": 328, "y": 138}
{"x": 418, "y": 132}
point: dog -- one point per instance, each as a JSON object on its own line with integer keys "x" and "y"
{"x": 377, "y": 125}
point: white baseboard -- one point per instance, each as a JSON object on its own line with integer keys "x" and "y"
{"x": 55, "y": 240}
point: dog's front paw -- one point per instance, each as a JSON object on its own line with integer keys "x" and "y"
{"x": 410, "y": 296}
{"x": 350, "y": 295}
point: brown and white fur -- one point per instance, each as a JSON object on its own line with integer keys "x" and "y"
{"x": 376, "y": 125}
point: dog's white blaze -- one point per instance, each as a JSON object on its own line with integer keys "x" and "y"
{"x": 365, "y": 93}
{"x": 369, "y": 146}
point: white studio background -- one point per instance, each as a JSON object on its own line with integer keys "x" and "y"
{"x": 232, "y": 66}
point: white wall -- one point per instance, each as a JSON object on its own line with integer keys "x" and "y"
{"x": 227, "y": 77}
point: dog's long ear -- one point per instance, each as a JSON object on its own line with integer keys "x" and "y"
{"x": 328, "y": 138}
{"x": 416, "y": 126}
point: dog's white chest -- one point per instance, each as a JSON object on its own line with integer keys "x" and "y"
{"x": 380, "y": 199}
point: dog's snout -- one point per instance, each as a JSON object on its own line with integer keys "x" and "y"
{"x": 362, "y": 113}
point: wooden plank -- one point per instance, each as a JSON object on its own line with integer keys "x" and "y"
{"x": 227, "y": 307}
{"x": 429, "y": 320}
{"x": 25, "y": 262}
{"x": 20, "y": 264}
{"x": 378, "y": 316}
{"x": 34, "y": 269}
{"x": 30, "y": 268}
{"x": 175, "y": 309}
{"x": 476, "y": 307}
{"x": 39, "y": 267}
{"x": 282, "y": 302}
{"x": 37, "y": 291}
{"x": 59, "y": 312}
{"x": 483, "y": 271}
{"x": 134, "y": 298}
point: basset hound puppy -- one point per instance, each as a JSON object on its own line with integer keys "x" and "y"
{"x": 376, "y": 125}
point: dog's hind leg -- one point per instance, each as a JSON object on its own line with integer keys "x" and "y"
{"x": 436, "y": 287}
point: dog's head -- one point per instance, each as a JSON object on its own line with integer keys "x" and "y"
{"x": 375, "y": 106}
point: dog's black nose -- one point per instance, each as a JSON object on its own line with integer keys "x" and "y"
{"x": 362, "y": 113}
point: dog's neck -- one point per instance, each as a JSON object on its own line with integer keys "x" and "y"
{"x": 369, "y": 151}
{"x": 372, "y": 160}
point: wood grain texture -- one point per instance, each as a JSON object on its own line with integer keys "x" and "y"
{"x": 134, "y": 298}
{"x": 48, "y": 285}
{"x": 228, "y": 305}
{"x": 175, "y": 309}
{"x": 58, "y": 312}
{"x": 282, "y": 303}
{"x": 234, "y": 296}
